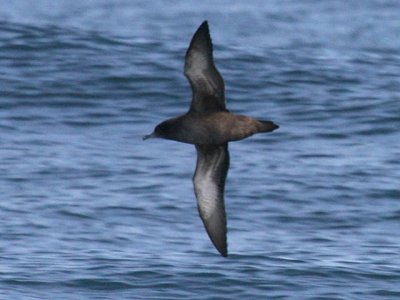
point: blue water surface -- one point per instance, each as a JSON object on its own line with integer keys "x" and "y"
{"x": 90, "y": 211}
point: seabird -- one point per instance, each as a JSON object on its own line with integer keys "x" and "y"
{"x": 209, "y": 126}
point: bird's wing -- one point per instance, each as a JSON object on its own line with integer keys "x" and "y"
{"x": 205, "y": 80}
{"x": 209, "y": 182}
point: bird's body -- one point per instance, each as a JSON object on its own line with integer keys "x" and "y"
{"x": 212, "y": 128}
{"x": 209, "y": 126}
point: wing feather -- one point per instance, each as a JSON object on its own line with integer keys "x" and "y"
{"x": 205, "y": 80}
{"x": 209, "y": 183}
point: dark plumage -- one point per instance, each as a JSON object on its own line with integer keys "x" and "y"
{"x": 210, "y": 126}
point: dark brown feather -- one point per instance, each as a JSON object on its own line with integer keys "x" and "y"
{"x": 206, "y": 82}
{"x": 209, "y": 184}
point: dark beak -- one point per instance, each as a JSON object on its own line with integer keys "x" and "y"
{"x": 149, "y": 136}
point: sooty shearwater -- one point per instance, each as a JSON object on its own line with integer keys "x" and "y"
{"x": 209, "y": 126}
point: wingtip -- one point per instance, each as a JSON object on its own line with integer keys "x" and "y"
{"x": 224, "y": 252}
{"x": 205, "y": 23}
{"x": 204, "y": 27}
{"x": 220, "y": 245}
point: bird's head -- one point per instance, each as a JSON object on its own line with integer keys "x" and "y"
{"x": 162, "y": 130}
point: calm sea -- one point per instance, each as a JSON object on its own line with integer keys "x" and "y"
{"x": 90, "y": 211}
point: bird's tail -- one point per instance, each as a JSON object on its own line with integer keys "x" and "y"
{"x": 267, "y": 126}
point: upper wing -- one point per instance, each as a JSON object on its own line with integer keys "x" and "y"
{"x": 209, "y": 182}
{"x": 207, "y": 84}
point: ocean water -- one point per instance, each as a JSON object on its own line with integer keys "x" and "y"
{"x": 90, "y": 211}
